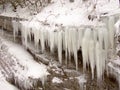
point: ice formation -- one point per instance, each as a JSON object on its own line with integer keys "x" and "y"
{"x": 117, "y": 28}
{"x": 92, "y": 56}
{"x": 15, "y": 28}
{"x": 85, "y": 47}
{"x": 94, "y": 42}
{"x": 111, "y": 23}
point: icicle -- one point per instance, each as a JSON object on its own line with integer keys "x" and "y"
{"x": 111, "y": 31}
{"x": 69, "y": 42}
{"x": 80, "y": 37}
{"x": 24, "y": 30}
{"x": 100, "y": 37}
{"x": 92, "y": 56}
{"x": 60, "y": 46}
{"x": 100, "y": 62}
{"x": 117, "y": 29}
{"x": 85, "y": 47}
{"x": 52, "y": 41}
{"x": 106, "y": 41}
{"x": 98, "y": 53}
{"x": 25, "y": 36}
{"x": 30, "y": 30}
{"x": 36, "y": 37}
{"x": 74, "y": 46}
{"x": 15, "y": 25}
{"x": 46, "y": 35}
{"x": 56, "y": 34}
{"x": 42, "y": 40}
{"x": 66, "y": 44}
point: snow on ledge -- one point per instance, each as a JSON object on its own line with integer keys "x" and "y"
{"x": 32, "y": 69}
{"x": 56, "y": 80}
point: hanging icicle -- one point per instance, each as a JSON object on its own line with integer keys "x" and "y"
{"x": 15, "y": 25}
{"x": 59, "y": 39}
{"x": 111, "y": 31}
{"x": 92, "y": 56}
{"x": 85, "y": 48}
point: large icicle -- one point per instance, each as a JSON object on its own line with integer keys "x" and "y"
{"x": 85, "y": 47}
{"x": 60, "y": 46}
{"x": 69, "y": 42}
{"x": 95, "y": 35}
{"x": 52, "y": 41}
{"x": 100, "y": 37}
{"x": 100, "y": 62}
{"x": 15, "y": 25}
{"x": 106, "y": 41}
{"x": 24, "y": 31}
{"x": 66, "y": 44}
{"x": 111, "y": 31}
{"x": 75, "y": 45}
{"x": 92, "y": 56}
{"x": 80, "y": 37}
{"x": 42, "y": 38}
{"x": 36, "y": 33}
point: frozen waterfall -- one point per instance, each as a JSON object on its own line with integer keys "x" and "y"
{"x": 94, "y": 42}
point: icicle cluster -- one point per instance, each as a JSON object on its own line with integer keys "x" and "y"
{"x": 94, "y": 43}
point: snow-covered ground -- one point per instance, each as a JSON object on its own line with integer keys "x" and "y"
{"x": 20, "y": 12}
{"x": 21, "y": 64}
{"x": 4, "y": 85}
{"x": 64, "y": 12}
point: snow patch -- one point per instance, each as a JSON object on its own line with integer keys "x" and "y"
{"x": 56, "y": 80}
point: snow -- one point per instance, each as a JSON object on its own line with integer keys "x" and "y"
{"x": 59, "y": 13}
{"x": 4, "y": 85}
{"x": 82, "y": 81}
{"x": 20, "y": 12}
{"x": 107, "y": 7}
{"x": 31, "y": 69}
{"x": 56, "y": 80}
{"x": 113, "y": 69}
{"x": 37, "y": 70}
